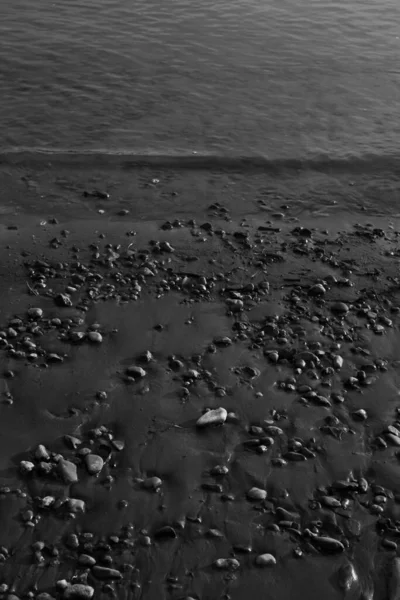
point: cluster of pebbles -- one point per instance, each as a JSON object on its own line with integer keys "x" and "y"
{"x": 318, "y": 347}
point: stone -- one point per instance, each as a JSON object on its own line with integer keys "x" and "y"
{"x": 152, "y": 483}
{"x": 256, "y": 494}
{"x": 35, "y": 313}
{"x": 360, "y": 415}
{"x": 337, "y": 361}
{"x": 215, "y": 416}
{"x": 265, "y": 560}
{"x": 317, "y": 290}
{"x": 135, "y": 372}
{"x": 78, "y": 591}
{"x": 68, "y": 471}
{"x": 106, "y": 573}
{"x": 339, "y": 308}
{"x": 165, "y": 532}
{"x": 75, "y": 505}
{"x": 95, "y": 337}
{"x": 26, "y": 466}
{"x": 41, "y": 453}
{"x": 227, "y": 564}
{"x": 94, "y": 464}
{"x": 63, "y": 300}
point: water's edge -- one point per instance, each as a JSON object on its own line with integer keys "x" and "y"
{"x": 199, "y": 160}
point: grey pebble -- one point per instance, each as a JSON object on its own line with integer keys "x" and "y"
{"x": 78, "y": 591}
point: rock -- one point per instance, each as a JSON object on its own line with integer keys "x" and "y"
{"x": 105, "y": 573}
{"x": 328, "y": 544}
{"x": 337, "y": 361}
{"x": 44, "y": 596}
{"x": 78, "y": 591}
{"x": 165, "y": 532}
{"x": 223, "y": 342}
{"x": 265, "y": 560}
{"x": 227, "y": 564}
{"x": 331, "y": 501}
{"x": 339, "y": 308}
{"x": 95, "y": 337}
{"x": 94, "y": 463}
{"x": 394, "y": 440}
{"x": 68, "y": 471}
{"x": 63, "y": 300}
{"x": 256, "y": 494}
{"x": 135, "y": 372}
{"x": 360, "y": 415}
{"x": 72, "y": 442}
{"x": 347, "y": 576}
{"x": 317, "y": 290}
{"x": 216, "y": 416}
{"x": 26, "y": 466}
{"x": 41, "y": 453}
{"x": 76, "y": 505}
{"x": 152, "y": 483}
{"x": 35, "y": 313}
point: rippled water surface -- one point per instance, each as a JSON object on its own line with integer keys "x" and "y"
{"x": 285, "y": 78}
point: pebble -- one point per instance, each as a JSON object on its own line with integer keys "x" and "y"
{"x": 360, "y": 415}
{"x": 75, "y": 505}
{"x": 165, "y": 532}
{"x": 94, "y": 463}
{"x": 41, "y": 453}
{"x": 86, "y": 561}
{"x": 265, "y": 560}
{"x": 152, "y": 483}
{"x": 136, "y": 372}
{"x": 78, "y": 591}
{"x": 35, "y": 313}
{"x": 63, "y": 300}
{"x": 339, "y": 308}
{"x": 347, "y": 576}
{"x": 95, "y": 337}
{"x": 215, "y": 416}
{"x": 256, "y": 494}
{"x": 317, "y": 290}
{"x": 68, "y": 471}
{"x": 106, "y": 573}
{"x": 26, "y": 466}
{"x": 328, "y": 544}
{"x": 227, "y": 564}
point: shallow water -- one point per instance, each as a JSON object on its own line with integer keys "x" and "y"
{"x": 281, "y": 78}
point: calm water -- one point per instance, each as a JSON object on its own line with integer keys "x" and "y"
{"x": 286, "y": 78}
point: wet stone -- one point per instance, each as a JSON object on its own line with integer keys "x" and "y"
{"x": 216, "y": 416}
{"x": 256, "y": 494}
{"x": 135, "y": 372}
{"x": 227, "y": 564}
{"x": 339, "y": 308}
{"x": 166, "y": 532}
{"x": 95, "y": 337}
{"x": 265, "y": 560}
{"x": 63, "y": 300}
{"x": 152, "y": 483}
{"x": 68, "y": 471}
{"x": 106, "y": 573}
{"x": 78, "y": 591}
{"x": 94, "y": 463}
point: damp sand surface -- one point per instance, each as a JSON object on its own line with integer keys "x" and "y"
{"x": 199, "y": 384}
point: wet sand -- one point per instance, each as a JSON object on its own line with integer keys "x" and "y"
{"x": 199, "y": 383}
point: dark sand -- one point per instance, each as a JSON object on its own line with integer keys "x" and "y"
{"x": 276, "y": 254}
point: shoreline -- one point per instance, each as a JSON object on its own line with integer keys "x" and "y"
{"x": 221, "y": 292}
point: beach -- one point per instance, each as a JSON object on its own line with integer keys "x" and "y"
{"x": 199, "y": 386}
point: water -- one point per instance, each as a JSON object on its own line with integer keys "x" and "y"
{"x": 281, "y": 78}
